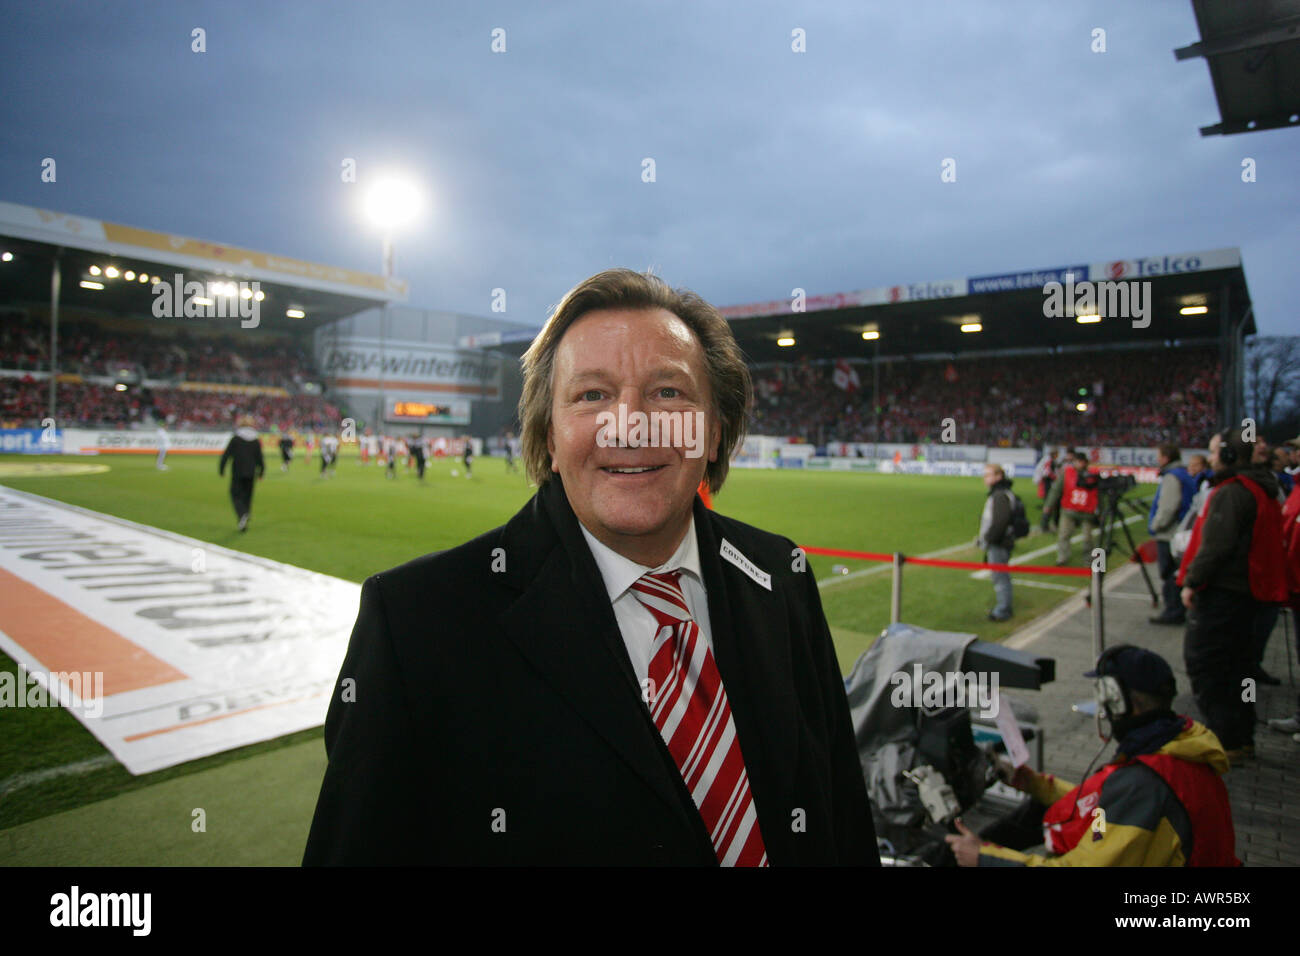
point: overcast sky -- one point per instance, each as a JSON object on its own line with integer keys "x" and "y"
{"x": 774, "y": 169}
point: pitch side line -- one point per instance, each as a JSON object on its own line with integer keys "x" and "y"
{"x": 20, "y": 780}
{"x": 953, "y": 549}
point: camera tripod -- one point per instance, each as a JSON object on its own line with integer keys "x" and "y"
{"x": 1112, "y": 507}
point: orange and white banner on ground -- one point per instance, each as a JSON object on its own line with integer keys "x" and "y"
{"x": 201, "y": 648}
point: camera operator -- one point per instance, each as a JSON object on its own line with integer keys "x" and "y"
{"x": 1234, "y": 563}
{"x": 1172, "y": 501}
{"x": 1159, "y": 802}
{"x": 1075, "y": 491}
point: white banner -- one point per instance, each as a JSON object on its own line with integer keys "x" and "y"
{"x": 86, "y": 441}
{"x": 1144, "y": 456}
{"x": 201, "y": 649}
{"x": 359, "y": 365}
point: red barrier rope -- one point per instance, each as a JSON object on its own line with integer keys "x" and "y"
{"x": 937, "y": 563}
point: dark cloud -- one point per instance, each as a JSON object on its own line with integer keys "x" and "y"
{"x": 774, "y": 169}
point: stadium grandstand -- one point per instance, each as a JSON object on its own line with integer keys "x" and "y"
{"x": 89, "y": 340}
{"x": 842, "y": 373}
{"x": 857, "y": 373}
{"x": 891, "y": 364}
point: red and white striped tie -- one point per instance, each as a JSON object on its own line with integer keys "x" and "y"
{"x": 689, "y": 706}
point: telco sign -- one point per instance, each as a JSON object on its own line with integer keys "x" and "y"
{"x": 918, "y": 291}
{"x": 1155, "y": 266}
{"x": 28, "y": 441}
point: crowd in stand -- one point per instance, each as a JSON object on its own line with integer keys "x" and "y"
{"x": 89, "y": 349}
{"x": 1133, "y": 398}
{"x": 24, "y": 402}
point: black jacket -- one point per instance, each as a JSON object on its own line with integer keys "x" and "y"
{"x": 244, "y": 451}
{"x": 520, "y": 736}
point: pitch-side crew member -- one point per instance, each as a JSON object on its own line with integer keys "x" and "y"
{"x": 244, "y": 452}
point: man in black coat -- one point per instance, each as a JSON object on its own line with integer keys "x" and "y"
{"x": 244, "y": 452}
{"x": 548, "y": 731}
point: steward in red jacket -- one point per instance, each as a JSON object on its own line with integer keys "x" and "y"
{"x": 1233, "y": 563}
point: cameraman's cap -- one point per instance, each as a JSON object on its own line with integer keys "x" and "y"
{"x": 1139, "y": 669}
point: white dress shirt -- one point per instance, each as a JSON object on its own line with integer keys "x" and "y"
{"x": 635, "y": 622}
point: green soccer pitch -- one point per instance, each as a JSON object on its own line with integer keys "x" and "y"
{"x": 63, "y": 800}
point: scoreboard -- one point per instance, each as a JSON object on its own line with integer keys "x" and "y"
{"x": 428, "y": 413}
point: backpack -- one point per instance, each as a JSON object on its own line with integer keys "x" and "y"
{"x": 1019, "y": 520}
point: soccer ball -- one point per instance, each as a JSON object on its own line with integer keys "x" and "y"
{"x": 455, "y": 473}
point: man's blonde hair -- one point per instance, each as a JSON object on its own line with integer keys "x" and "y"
{"x": 729, "y": 381}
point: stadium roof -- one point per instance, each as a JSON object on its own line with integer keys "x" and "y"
{"x": 1253, "y": 52}
{"x": 323, "y": 293}
{"x": 923, "y": 318}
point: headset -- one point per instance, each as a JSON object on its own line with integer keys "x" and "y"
{"x": 1112, "y": 696}
{"x": 1227, "y": 454}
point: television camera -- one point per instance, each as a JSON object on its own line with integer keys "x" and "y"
{"x": 924, "y": 759}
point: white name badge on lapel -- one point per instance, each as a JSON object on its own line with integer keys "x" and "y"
{"x": 729, "y": 553}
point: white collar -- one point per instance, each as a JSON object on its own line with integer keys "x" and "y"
{"x": 620, "y": 573}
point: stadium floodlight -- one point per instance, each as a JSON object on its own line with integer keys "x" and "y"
{"x": 120, "y": 387}
{"x": 786, "y": 340}
{"x": 95, "y": 270}
{"x": 1081, "y": 406}
{"x": 259, "y": 295}
{"x": 111, "y": 272}
{"x": 1193, "y": 310}
{"x": 1088, "y": 319}
{"x": 295, "y": 313}
{"x": 392, "y": 202}
{"x": 245, "y": 293}
{"x": 202, "y": 300}
{"x": 972, "y": 327}
{"x": 870, "y": 334}
{"x": 154, "y": 280}
{"x": 144, "y": 277}
{"x": 87, "y": 284}
{"x": 7, "y": 257}
{"x": 129, "y": 275}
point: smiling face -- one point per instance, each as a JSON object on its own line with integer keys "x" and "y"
{"x": 635, "y": 496}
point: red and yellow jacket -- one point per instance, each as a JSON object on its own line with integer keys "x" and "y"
{"x": 1169, "y": 808}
